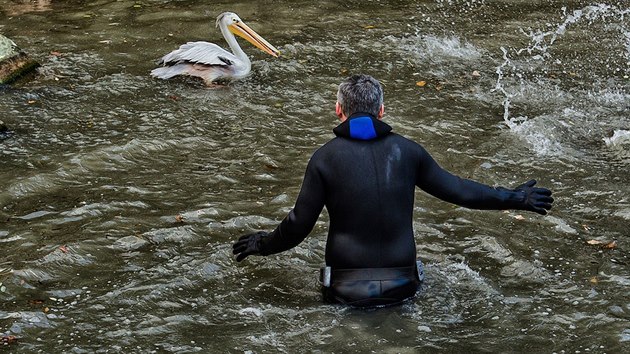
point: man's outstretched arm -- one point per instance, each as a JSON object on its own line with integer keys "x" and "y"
{"x": 295, "y": 226}
{"x": 440, "y": 183}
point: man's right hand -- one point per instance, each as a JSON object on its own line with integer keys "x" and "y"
{"x": 248, "y": 245}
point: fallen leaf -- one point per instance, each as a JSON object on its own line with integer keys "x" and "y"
{"x": 179, "y": 218}
{"x": 476, "y": 73}
{"x": 46, "y": 309}
{"x": 8, "y": 339}
{"x": 586, "y": 227}
{"x": 55, "y": 53}
{"x": 594, "y": 280}
{"x": 421, "y": 83}
{"x": 519, "y": 217}
{"x": 63, "y": 249}
{"x": 31, "y": 101}
{"x": 607, "y": 245}
{"x": 369, "y": 27}
{"x": 594, "y": 242}
{"x": 611, "y": 245}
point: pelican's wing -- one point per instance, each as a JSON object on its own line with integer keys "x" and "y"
{"x": 199, "y": 53}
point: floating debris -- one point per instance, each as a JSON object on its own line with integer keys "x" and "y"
{"x": 8, "y": 340}
{"x": 603, "y": 244}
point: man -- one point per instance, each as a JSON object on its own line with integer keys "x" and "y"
{"x": 366, "y": 177}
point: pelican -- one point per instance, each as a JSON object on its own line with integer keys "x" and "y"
{"x": 211, "y": 62}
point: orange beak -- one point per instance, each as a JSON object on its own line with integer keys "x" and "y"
{"x": 242, "y": 30}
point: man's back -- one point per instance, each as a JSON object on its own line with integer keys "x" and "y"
{"x": 369, "y": 188}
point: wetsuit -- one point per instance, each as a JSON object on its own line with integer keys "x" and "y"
{"x": 366, "y": 177}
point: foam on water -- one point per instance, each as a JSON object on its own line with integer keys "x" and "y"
{"x": 428, "y": 46}
{"x": 438, "y": 55}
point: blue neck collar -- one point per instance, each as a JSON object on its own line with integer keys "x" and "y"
{"x": 362, "y": 126}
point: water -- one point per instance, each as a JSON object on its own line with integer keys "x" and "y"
{"x": 120, "y": 195}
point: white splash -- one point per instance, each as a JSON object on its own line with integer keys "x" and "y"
{"x": 541, "y": 41}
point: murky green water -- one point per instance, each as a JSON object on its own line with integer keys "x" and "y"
{"x": 101, "y": 160}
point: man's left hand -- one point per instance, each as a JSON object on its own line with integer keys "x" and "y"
{"x": 537, "y": 199}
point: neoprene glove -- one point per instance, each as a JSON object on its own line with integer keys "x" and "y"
{"x": 538, "y": 200}
{"x": 248, "y": 245}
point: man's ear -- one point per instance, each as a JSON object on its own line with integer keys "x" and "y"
{"x": 381, "y": 111}
{"x": 339, "y": 111}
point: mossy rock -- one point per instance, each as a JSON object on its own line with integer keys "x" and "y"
{"x": 14, "y": 63}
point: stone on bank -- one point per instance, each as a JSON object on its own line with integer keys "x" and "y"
{"x": 14, "y": 63}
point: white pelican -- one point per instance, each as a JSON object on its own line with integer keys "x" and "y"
{"x": 211, "y": 62}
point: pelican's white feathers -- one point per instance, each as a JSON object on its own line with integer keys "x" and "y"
{"x": 211, "y": 62}
{"x": 199, "y": 52}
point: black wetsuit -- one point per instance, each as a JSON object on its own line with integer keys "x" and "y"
{"x": 366, "y": 178}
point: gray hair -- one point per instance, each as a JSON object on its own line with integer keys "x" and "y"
{"x": 360, "y": 94}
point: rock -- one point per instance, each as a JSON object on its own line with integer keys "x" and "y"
{"x": 4, "y": 133}
{"x": 14, "y": 62}
{"x": 4, "y": 217}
